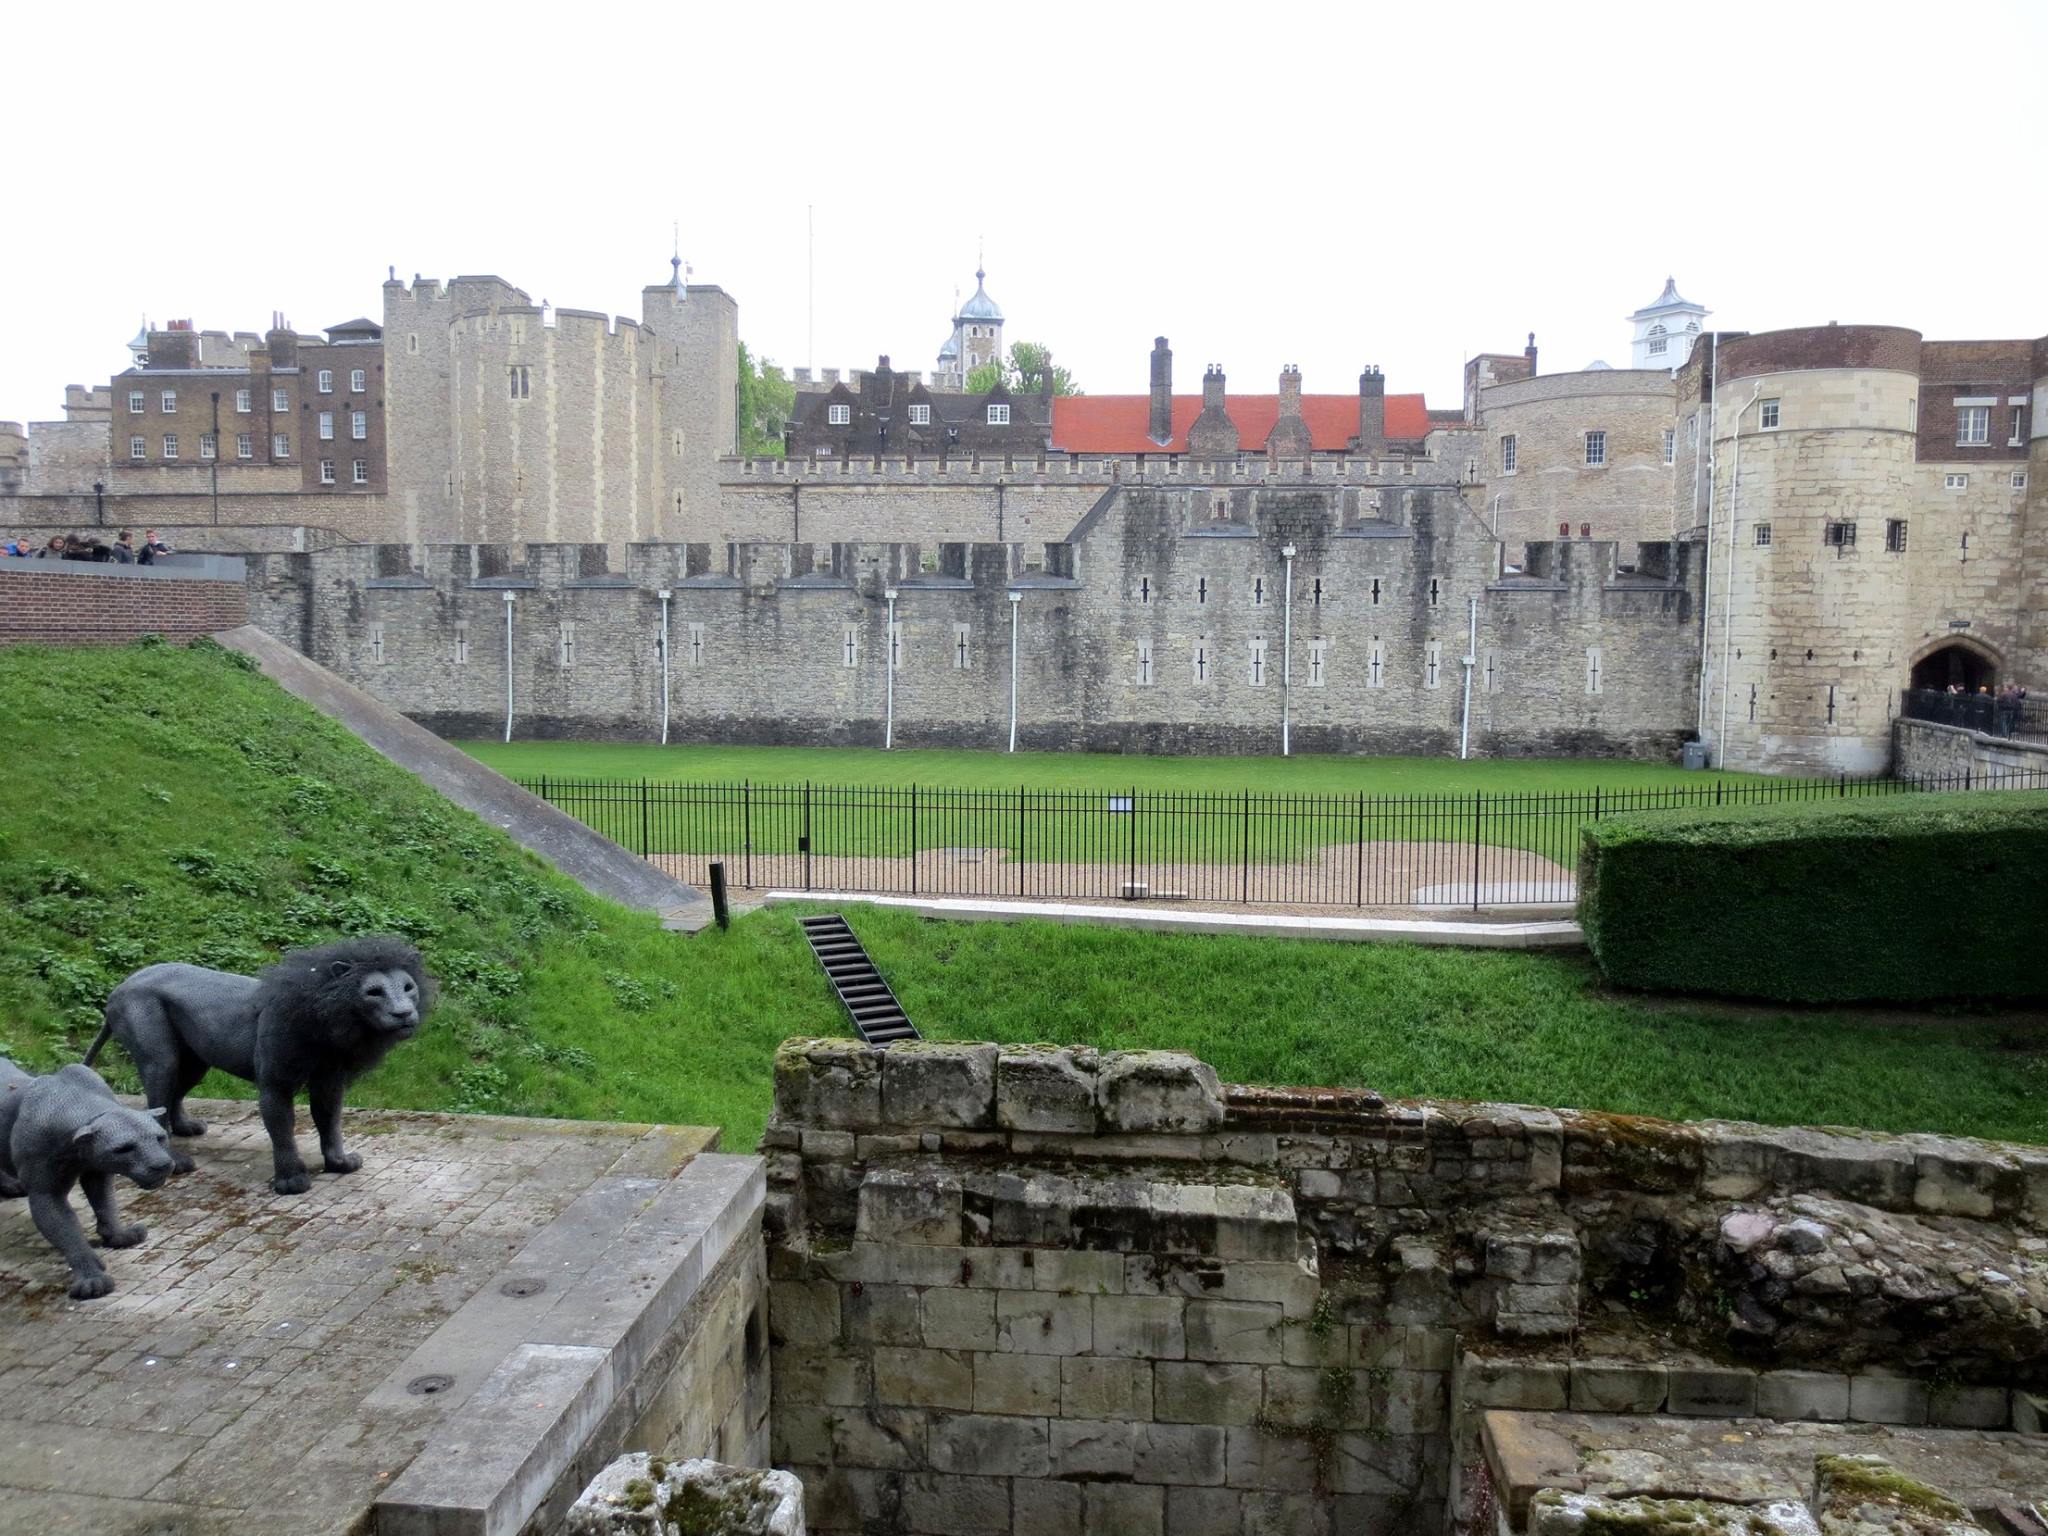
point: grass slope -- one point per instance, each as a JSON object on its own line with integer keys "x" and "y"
{"x": 167, "y": 804}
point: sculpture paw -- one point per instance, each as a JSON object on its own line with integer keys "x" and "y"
{"x": 342, "y": 1162}
{"x": 123, "y": 1237}
{"x": 92, "y": 1286}
{"x": 185, "y": 1125}
{"x": 296, "y": 1183}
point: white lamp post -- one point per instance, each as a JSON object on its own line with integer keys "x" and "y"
{"x": 889, "y": 677}
{"x": 511, "y": 597}
{"x": 1286, "y": 648}
{"x": 1016, "y": 599}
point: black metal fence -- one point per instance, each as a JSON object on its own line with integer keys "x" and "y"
{"x": 1470, "y": 850}
{"x": 1989, "y": 713}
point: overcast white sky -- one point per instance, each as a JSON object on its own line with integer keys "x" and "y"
{"x": 1328, "y": 185}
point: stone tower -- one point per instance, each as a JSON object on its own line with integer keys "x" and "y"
{"x": 977, "y": 338}
{"x": 1666, "y": 330}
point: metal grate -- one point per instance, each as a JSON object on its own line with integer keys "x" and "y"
{"x": 877, "y": 1017}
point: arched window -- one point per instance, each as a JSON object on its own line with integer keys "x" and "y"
{"x": 1656, "y": 335}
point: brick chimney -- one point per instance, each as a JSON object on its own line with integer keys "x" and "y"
{"x": 1214, "y": 434}
{"x": 1290, "y": 437}
{"x": 1161, "y": 429}
{"x": 1372, "y": 410}
{"x": 1530, "y": 353}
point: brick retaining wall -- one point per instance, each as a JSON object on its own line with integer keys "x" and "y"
{"x": 48, "y": 602}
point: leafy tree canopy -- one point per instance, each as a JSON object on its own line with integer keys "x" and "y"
{"x": 765, "y": 400}
{"x": 1023, "y": 372}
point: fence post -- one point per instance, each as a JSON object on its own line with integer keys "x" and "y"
{"x": 1478, "y": 797}
{"x": 1020, "y": 839}
{"x": 807, "y": 834}
{"x": 747, "y": 828}
{"x": 1360, "y": 896}
{"x": 1246, "y": 849}
{"x": 644, "y": 848}
{"x": 1131, "y": 880}
{"x": 913, "y": 839}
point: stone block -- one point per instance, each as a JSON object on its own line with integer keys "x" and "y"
{"x": 1204, "y": 1512}
{"x": 957, "y": 1319}
{"x": 988, "y": 1445}
{"x": 1078, "y": 1272}
{"x": 1868, "y": 1496}
{"x": 626, "y": 1499}
{"x": 1183, "y": 1219}
{"x": 1617, "y": 1386}
{"x": 2030, "y": 1413}
{"x": 1289, "y": 1514}
{"x": 1491, "y": 1382}
{"x": 890, "y": 1439}
{"x": 801, "y": 1432}
{"x": 1091, "y": 1448}
{"x": 1033, "y": 1210}
{"x": 1140, "y": 1327}
{"x": 1554, "y": 1512}
{"x": 1413, "y": 1404}
{"x": 938, "y": 1504}
{"x": 1158, "y": 1091}
{"x": 903, "y": 1205}
{"x": 1969, "y": 1407}
{"x": 828, "y": 1146}
{"x": 1040, "y": 1323}
{"x": 1123, "y": 1509}
{"x": 1196, "y": 1392}
{"x": 1817, "y": 1396}
{"x": 1955, "y": 1177}
{"x": 882, "y": 1314}
{"x": 1257, "y": 1460}
{"x": 828, "y": 1085}
{"x": 925, "y": 1378}
{"x": 1366, "y": 1514}
{"x": 803, "y": 1311}
{"x": 1234, "y": 1330}
{"x": 1046, "y": 1088}
{"x": 1711, "y": 1392}
{"x": 830, "y": 1376}
{"x": 930, "y": 1083}
{"x": 1179, "y": 1455}
{"x": 1043, "y": 1508}
{"x": 1106, "y": 1389}
{"x": 1429, "y": 1349}
{"x": 1879, "y": 1397}
{"x": 1017, "y": 1384}
{"x": 1256, "y": 1222}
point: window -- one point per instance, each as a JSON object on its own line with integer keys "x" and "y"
{"x": 1258, "y": 661}
{"x": 1692, "y": 430}
{"x": 135, "y": 405}
{"x": 359, "y": 471}
{"x": 1318, "y": 660}
{"x": 1200, "y": 659}
{"x": 412, "y": 341}
{"x": 920, "y": 415}
{"x": 566, "y": 645}
{"x": 1432, "y": 663}
{"x": 1508, "y": 447}
{"x": 170, "y": 402}
{"x": 359, "y": 425}
{"x": 2019, "y": 427}
{"x": 1913, "y": 415}
{"x": 1767, "y": 415}
{"x": 376, "y": 642}
{"x": 242, "y": 401}
{"x": 696, "y": 645}
{"x": 838, "y": 415}
{"x": 327, "y": 426}
{"x": 518, "y": 381}
{"x": 2019, "y": 479}
{"x": 1955, "y": 482}
{"x": 999, "y": 415}
{"x": 1973, "y": 425}
{"x": 278, "y": 401}
{"x": 170, "y": 445}
{"x": 356, "y": 380}
{"x": 462, "y": 645}
{"x": 137, "y": 448}
{"x": 245, "y": 445}
{"x": 849, "y": 647}
{"x": 1763, "y": 535}
{"x": 1670, "y": 445}
{"x": 895, "y": 647}
{"x": 1258, "y": 591}
{"x": 1656, "y": 334}
{"x": 1375, "y": 665}
{"x": 1144, "y": 663}
{"x": 207, "y": 449}
{"x": 326, "y": 385}
{"x": 1596, "y": 450}
{"x": 960, "y": 632}
{"x": 281, "y": 445}
{"x": 1593, "y": 678}
{"x": 1840, "y": 535}
{"x": 327, "y": 471}
{"x": 1895, "y": 536}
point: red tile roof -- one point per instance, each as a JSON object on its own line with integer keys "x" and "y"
{"x": 1120, "y": 423}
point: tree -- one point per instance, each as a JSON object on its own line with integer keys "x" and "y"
{"x": 1028, "y": 364}
{"x": 765, "y": 400}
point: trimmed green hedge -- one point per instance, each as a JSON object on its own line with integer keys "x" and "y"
{"x": 1904, "y": 898}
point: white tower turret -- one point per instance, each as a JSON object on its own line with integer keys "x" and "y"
{"x": 1666, "y": 330}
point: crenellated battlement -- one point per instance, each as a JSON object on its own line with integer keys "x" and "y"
{"x": 1428, "y": 466}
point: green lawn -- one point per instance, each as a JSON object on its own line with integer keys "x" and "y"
{"x": 168, "y": 804}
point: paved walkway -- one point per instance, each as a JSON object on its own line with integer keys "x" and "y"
{"x": 1470, "y": 934}
{"x": 220, "y": 1388}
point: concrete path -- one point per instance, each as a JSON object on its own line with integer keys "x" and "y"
{"x": 1557, "y": 934}
{"x": 594, "y": 862}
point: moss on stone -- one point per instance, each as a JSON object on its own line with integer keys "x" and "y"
{"x": 1873, "y": 1480}
{"x": 638, "y": 1494}
{"x": 697, "y": 1511}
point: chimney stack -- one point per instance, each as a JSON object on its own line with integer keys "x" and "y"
{"x": 1214, "y": 434}
{"x": 1372, "y": 410}
{"x": 1290, "y": 436}
{"x": 1530, "y": 353}
{"x": 1161, "y": 431}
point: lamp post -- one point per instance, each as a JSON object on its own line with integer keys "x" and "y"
{"x": 889, "y": 678}
{"x": 664, "y": 594}
{"x": 213, "y": 458}
{"x": 1016, "y": 600}
{"x": 1286, "y": 649}
{"x": 99, "y": 503}
{"x": 510, "y": 598}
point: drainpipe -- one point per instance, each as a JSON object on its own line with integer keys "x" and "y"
{"x": 1286, "y": 649}
{"x": 1016, "y": 599}
{"x": 889, "y": 677}
{"x": 1713, "y": 450}
{"x": 510, "y": 598}
{"x": 1728, "y": 581}
{"x": 664, "y": 595}
{"x": 1471, "y": 650}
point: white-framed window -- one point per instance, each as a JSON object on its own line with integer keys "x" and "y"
{"x": 566, "y": 644}
{"x": 327, "y": 471}
{"x": 1767, "y": 415}
{"x": 1955, "y": 482}
{"x": 1973, "y": 425}
{"x": 999, "y": 415}
{"x": 2019, "y": 427}
{"x": 207, "y": 448}
{"x": 138, "y": 447}
{"x": 242, "y": 401}
{"x": 1257, "y": 674}
{"x": 327, "y": 426}
{"x": 170, "y": 402}
{"x": 838, "y": 415}
{"x": 245, "y": 445}
{"x": 170, "y": 445}
{"x": 357, "y": 378}
{"x": 1318, "y": 661}
{"x": 359, "y": 425}
{"x": 696, "y": 644}
{"x": 1509, "y": 452}
{"x": 920, "y": 415}
{"x": 1433, "y": 664}
{"x": 849, "y": 646}
{"x": 1145, "y": 677}
{"x": 1670, "y": 445}
{"x": 1763, "y": 535}
{"x": 2019, "y": 479}
{"x": 376, "y": 642}
{"x": 359, "y": 471}
{"x": 279, "y": 401}
{"x": 1596, "y": 450}
{"x": 1895, "y": 536}
{"x": 1594, "y": 679}
{"x": 462, "y": 644}
{"x": 280, "y": 445}
{"x": 1657, "y": 337}
{"x": 326, "y": 383}
{"x": 136, "y": 402}
{"x": 519, "y": 381}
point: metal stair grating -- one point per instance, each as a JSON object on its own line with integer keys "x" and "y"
{"x": 870, "y": 1005}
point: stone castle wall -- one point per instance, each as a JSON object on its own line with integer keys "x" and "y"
{"x": 1024, "y": 1289}
{"x": 1924, "y": 749}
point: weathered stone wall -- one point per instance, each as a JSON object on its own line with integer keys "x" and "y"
{"x": 1922, "y": 749}
{"x": 1023, "y": 1289}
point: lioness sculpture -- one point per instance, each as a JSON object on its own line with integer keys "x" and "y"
{"x": 318, "y": 1019}
{"x": 65, "y": 1129}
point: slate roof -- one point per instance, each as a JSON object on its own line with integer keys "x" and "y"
{"x": 1668, "y": 299}
{"x": 1122, "y": 423}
